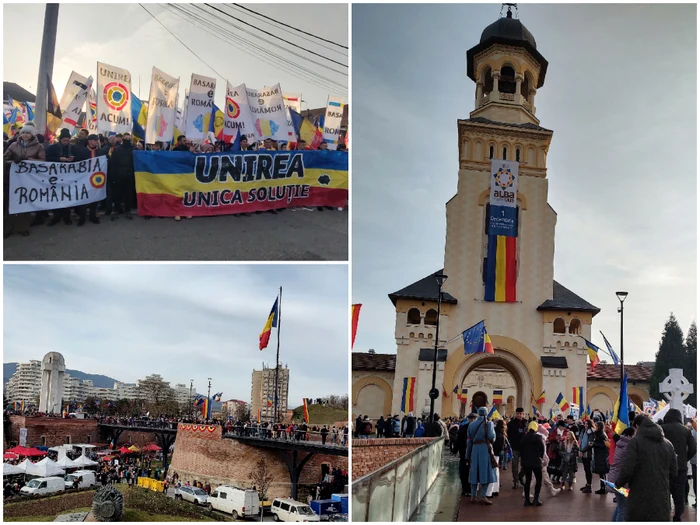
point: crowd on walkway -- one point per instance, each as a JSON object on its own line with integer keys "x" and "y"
{"x": 644, "y": 468}
{"x": 408, "y": 426}
{"x": 290, "y": 432}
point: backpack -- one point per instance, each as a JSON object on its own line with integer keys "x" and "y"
{"x": 584, "y": 442}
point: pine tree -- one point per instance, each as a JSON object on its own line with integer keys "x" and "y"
{"x": 671, "y": 354}
{"x": 690, "y": 370}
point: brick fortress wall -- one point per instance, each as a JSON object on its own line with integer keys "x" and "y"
{"x": 369, "y": 455}
{"x": 205, "y": 456}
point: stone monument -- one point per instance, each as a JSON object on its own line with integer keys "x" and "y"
{"x": 676, "y": 388}
{"x": 53, "y": 370}
{"x": 108, "y": 504}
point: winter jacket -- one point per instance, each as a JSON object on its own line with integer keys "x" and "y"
{"x": 55, "y": 151}
{"x": 410, "y": 425}
{"x": 680, "y": 437}
{"x": 420, "y": 430}
{"x": 462, "y": 437}
{"x": 121, "y": 166}
{"x": 531, "y": 450}
{"x": 18, "y": 151}
{"x": 648, "y": 464}
{"x": 600, "y": 453}
{"x": 620, "y": 452}
{"x": 516, "y": 431}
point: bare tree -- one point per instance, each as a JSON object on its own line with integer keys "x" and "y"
{"x": 159, "y": 397}
{"x": 242, "y": 412}
{"x": 261, "y": 478}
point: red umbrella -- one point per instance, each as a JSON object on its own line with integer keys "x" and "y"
{"x": 125, "y": 450}
{"x": 152, "y": 447}
{"x": 31, "y": 452}
{"x": 10, "y": 455}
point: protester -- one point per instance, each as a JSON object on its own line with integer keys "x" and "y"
{"x": 62, "y": 151}
{"x": 600, "y": 445}
{"x": 91, "y": 151}
{"x": 516, "y": 431}
{"x": 499, "y": 446}
{"x": 648, "y": 465}
{"x": 587, "y": 455}
{"x": 685, "y": 447}
{"x": 121, "y": 180}
{"x": 434, "y": 428}
{"x": 182, "y": 144}
{"x": 379, "y": 426}
{"x": 479, "y": 434}
{"x": 620, "y": 452}
{"x": 569, "y": 452}
{"x": 409, "y": 428}
{"x": 462, "y": 441}
{"x": 543, "y": 432}
{"x": 532, "y": 451}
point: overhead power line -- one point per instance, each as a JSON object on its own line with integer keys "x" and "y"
{"x": 291, "y": 27}
{"x": 275, "y": 36}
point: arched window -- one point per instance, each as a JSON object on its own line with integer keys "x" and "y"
{"x": 575, "y": 327}
{"x": 559, "y": 326}
{"x": 430, "y": 336}
{"x": 487, "y": 80}
{"x": 430, "y": 317}
{"x": 413, "y": 316}
{"x": 506, "y": 84}
{"x": 505, "y": 152}
{"x": 490, "y": 152}
{"x": 412, "y": 334}
{"x": 517, "y": 154}
{"x": 421, "y": 336}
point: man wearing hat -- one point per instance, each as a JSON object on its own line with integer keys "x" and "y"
{"x": 463, "y": 460}
{"x": 481, "y": 473}
{"x": 516, "y": 431}
{"x": 62, "y": 151}
{"x": 90, "y": 152}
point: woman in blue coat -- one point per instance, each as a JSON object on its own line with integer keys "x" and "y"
{"x": 479, "y": 433}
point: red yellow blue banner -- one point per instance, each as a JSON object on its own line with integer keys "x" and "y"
{"x": 306, "y": 410}
{"x": 497, "y": 397}
{"x": 269, "y": 325}
{"x": 501, "y": 269}
{"x": 562, "y": 402}
{"x": 577, "y": 398}
{"x": 409, "y": 385}
{"x": 170, "y": 184}
{"x": 592, "y": 353}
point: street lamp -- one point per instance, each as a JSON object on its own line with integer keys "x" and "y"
{"x": 621, "y": 297}
{"x": 440, "y": 278}
{"x": 191, "y": 381}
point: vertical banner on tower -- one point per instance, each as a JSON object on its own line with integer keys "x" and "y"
{"x": 199, "y": 106}
{"x": 331, "y": 123}
{"x": 504, "y": 197}
{"x": 237, "y": 115}
{"x": 71, "y": 113}
{"x": 76, "y": 83}
{"x": 291, "y": 101}
{"x": 113, "y": 99}
{"x": 160, "y": 125}
{"x": 269, "y": 113}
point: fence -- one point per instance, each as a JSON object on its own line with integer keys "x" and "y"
{"x": 393, "y": 492}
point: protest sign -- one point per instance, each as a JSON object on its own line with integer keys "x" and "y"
{"x": 237, "y": 115}
{"x": 113, "y": 99}
{"x": 198, "y": 107}
{"x": 160, "y": 125}
{"x": 332, "y": 120}
{"x": 269, "y": 114}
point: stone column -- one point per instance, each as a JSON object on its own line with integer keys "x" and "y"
{"x": 44, "y": 393}
{"x": 494, "y": 94}
{"x": 479, "y": 92}
{"x": 518, "y": 84}
{"x": 531, "y": 98}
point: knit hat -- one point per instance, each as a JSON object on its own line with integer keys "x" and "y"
{"x": 93, "y": 137}
{"x": 65, "y": 134}
{"x": 533, "y": 426}
{"x": 29, "y": 129}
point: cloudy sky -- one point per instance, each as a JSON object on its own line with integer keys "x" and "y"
{"x": 620, "y": 95}
{"x": 182, "y": 322}
{"x": 125, "y": 35}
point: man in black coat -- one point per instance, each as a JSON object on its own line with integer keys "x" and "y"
{"x": 683, "y": 443}
{"x": 516, "y": 431}
{"x": 62, "y": 151}
{"x": 409, "y": 426}
{"x": 434, "y": 428}
{"x": 389, "y": 427}
{"x": 121, "y": 179}
{"x": 91, "y": 151}
{"x": 462, "y": 438}
{"x": 531, "y": 454}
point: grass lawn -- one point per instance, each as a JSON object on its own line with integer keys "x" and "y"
{"x": 321, "y": 415}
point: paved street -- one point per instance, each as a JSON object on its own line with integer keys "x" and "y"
{"x": 288, "y": 235}
{"x": 267, "y": 517}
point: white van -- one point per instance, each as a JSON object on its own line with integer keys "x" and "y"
{"x": 238, "y": 502}
{"x": 286, "y": 509}
{"x": 44, "y": 486}
{"x": 86, "y": 478}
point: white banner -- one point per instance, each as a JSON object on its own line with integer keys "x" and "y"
{"x": 291, "y": 101}
{"x": 332, "y": 120}
{"x": 160, "y": 125}
{"x": 269, "y": 115}
{"x": 199, "y": 107}
{"x": 76, "y": 83}
{"x": 71, "y": 115}
{"x": 91, "y": 112}
{"x": 504, "y": 198}
{"x": 113, "y": 99}
{"x": 37, "y": 185}
{"x": 237, "y": 114}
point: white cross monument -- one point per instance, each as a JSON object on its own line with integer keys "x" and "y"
{"x": 676, "y": 388}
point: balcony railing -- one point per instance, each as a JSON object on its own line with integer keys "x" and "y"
{"x": 506, "y": 96}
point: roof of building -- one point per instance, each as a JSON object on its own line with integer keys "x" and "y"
{"x": 612, "y": 372}
{"x": 372, "y": 361}
{"x": 428, "y": 354}
{"x": 508, "y": 31}
{"x": 565, "y": 299}
{"x": 549, "y": 361}
{"x": 524, "y": 125}
{"x": 16, "y": 92}
{"x": 425, "y": 290}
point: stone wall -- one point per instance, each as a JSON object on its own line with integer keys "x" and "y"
{"x": 369, "y": 455}
{"x": 55, "y": 430}
{"x": 205, "y": 456}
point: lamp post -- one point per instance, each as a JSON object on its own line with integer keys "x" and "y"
{"x": 206, "y": 416}
{"x": 621, "y": 297}
{"x": 191, "y": 382}
{"x": 434, "y": 393}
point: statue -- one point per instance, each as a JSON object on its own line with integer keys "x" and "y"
{"x": 108, "y": 504}
{"x": 676, "y": 388}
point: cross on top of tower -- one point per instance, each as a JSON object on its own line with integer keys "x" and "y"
{"x": 509, "y": 14}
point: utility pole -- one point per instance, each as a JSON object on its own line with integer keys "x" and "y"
{"x": 277, "y": 361}
{"x": 208, "y": 399}
{"x": 48, "y": 49}
{"x": 190, "y": 409}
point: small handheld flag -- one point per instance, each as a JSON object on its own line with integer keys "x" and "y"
{"x": 494, "y": 414}
{"x": 269, "y": 325}
{"x": 578, "y": 398}
{"x": 541, "y": 400}
{"x": 621, "y": 415}
{"x": 562, "y": 402}
{"x": 409, "y": 385}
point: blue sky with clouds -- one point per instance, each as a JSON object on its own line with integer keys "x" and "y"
{"x": 620, "y": 95}
{"x": 182, "y": 322}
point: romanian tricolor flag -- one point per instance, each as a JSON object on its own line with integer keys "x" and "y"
{"x": 355, "y": 319}
{"x": 216, "y": 122}
{"x": 541, "y": 400}
{"x": 577, "y": 398}
{"x": 501, "y": 269}
{"x": 139, "y": 115}
{"x": 497, "y": 397}
{"x": 269, "y": 402}
{"x": 306, "y": 410}
{"x": 409, "y": 385}
{"x": 621, "y": 411}
{"x": 206, "y": 407}
{"x": 592, "y": 353}
{"x": 269, "y": 325}
{"x": 562, "y": 402}
{"x": 494, "y": 414}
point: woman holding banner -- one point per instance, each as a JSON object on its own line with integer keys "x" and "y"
{"x": 26, "y": 147}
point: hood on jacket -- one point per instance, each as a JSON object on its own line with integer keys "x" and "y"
{"x": 622, "y": 443}
{"x": 673, "y": 416}
{"x": 650, "y": 430}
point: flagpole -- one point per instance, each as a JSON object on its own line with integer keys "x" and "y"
{"x": 277, "y": 362}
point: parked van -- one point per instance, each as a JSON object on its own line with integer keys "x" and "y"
{"x": 238, "y": 502}
{"x": 44, "y": 486}
{"x": 86, "y": 478}
{"x": 286, "y": 509}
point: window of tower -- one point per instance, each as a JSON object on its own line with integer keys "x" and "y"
{"x": 431, "y": 317}
{"x": 487, "y": 80}
{"x": 413, "y": 316}
{"x": 490, "y": 152}
{"x": 517, "y": 155}
{"x": 525, "y": 86}
{"x": 559, "y": 326}
{"x": 506, "y": 84}
{"x": 505, "y": 153}
{"x": 575, "y": 327}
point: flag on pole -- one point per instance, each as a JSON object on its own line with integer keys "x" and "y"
{"x": 577, "y": 398}
{"x": 269, "y": 402}
{"x": 592, "y": 353}
{"x": 206, "y": 408}
{"x": 477, "y": 340}
{"x": 269, "y": 325}
{"x": 541, "y": 400}
{"x": 621, "y": 414}
{"x": 615, "y": 359}
{"x": 409, "y": 384}
{"x": 562, "y": 402}
{"x": 355, "y": 319}
{"x": 306, "y": 410}
{"x": 494, "y": 414}
{"x": 535, "y": 411}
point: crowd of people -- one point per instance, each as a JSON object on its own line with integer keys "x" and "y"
{"x": 294, "y": 431}
{"x": 409, "y": 426}
{"x": 28, "y": 144}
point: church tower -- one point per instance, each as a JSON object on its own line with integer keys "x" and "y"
{"x": 536, "y": 329}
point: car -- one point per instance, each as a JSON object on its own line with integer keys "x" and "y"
{"x": 192, "y": 494}
{"x": 86, "y": 478}
{"x": 287, "y": 509}
{"x": 236, "y": 501}
{"x": 38, "y": 486}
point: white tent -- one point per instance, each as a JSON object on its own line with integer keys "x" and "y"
{"x": 24, "y": 465}
{"x": 66, "y": 462}
{"x": 9, "y": 470}
{"x": 45, "y": 468}
{"x": 84, "y": 461}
